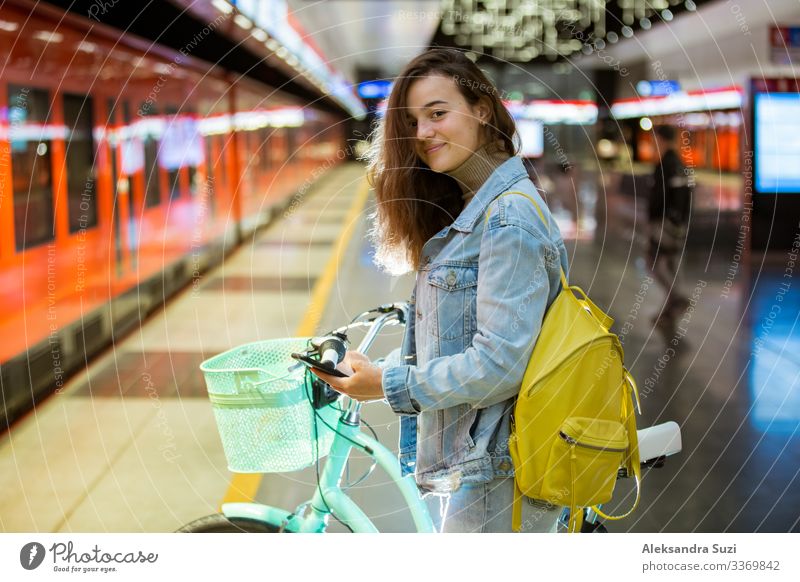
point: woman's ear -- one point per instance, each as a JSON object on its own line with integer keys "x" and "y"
{"x": 484, "y": 111}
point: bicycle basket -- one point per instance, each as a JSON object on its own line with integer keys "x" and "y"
{"x": 262, "y": 409}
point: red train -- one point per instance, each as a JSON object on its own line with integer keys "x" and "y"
{"x": 126, "y": 169}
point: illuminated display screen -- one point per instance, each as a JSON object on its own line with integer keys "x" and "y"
{"x": 777, "y": 133}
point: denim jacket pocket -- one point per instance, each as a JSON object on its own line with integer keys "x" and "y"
{"x": 466, "y": 422}
{"x": 454, "y": 289}
{"x": 457, "y": 443}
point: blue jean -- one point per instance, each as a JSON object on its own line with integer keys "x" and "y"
{"x": 487, "y": 508}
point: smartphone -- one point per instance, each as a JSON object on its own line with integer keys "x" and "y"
{"x": 317, "y": 365}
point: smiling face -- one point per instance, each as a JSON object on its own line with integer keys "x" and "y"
{"x": 446, "y": 126}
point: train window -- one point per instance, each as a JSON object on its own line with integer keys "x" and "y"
{"x": 207, "y": 189}
{"x": 152, "y": 196}
{"x": 174, "y": 181}
{"x": 80, "y": 156}
{"x": 135, "y": 147}
{"x": 113, "y": 144}
{"x": 169, "y": 150}
{"x": 209, "y": 161}
{"x": 264, "y": 149}
{"x": 250, "y": 161}
{"x": 178, "y": 147}
{"x": 195, "y": 154}
{"x": 220, "y": 161}
{"x": 192, "y": 181}
{"x": 31, "y": 166}
{"x": 111, "y": 105}
{"x": 291, "y": 140}
{"x": 111, "y": 125}
{"x": 291, "y": 147}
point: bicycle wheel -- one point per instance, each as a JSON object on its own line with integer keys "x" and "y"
{"x": 218, "y": 523}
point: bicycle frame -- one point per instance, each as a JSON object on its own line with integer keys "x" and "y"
{"x": 329, "y": 496}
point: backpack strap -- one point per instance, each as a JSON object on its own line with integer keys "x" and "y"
{"x": 544, "y": 221}
{"x": 575, "y": 513}
{"x": 516, "y": 509}
{"x": 633, "y": 461}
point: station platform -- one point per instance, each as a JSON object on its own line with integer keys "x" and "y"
{"x": 130, "y": 444}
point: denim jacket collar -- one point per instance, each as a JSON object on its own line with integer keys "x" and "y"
{"x": 508, "y": 173}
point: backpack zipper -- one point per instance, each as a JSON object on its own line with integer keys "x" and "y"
{"x": 572, "y": 441}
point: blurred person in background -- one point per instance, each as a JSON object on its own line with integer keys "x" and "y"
{"x": 668, "y": 216}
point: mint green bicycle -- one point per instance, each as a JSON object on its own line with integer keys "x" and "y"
{"x": 274, "y": 416}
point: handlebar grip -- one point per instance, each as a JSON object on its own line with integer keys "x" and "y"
{"x": 332, "y": 351}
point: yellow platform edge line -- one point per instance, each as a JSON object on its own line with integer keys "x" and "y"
{"x": 244, "y": 486}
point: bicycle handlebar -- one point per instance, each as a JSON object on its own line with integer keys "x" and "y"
{"x": 332, "y": 350}
{"x": 332, "y": 347}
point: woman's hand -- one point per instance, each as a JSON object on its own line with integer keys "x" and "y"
{"x": 366, "y": 382}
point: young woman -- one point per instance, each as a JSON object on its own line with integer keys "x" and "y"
{"x": 487, "y": 268}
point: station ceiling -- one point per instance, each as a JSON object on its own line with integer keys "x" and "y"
{"x": 374, "y": 35}
{"x": 384, "y": 34}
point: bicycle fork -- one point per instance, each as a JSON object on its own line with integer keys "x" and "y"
{"x": 330, "y": 499}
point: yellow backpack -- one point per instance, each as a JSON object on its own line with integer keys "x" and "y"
{"x": 573, "y": 426}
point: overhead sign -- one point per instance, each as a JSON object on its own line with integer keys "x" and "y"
{"x": 552, "y": 112}
{"x": 657, "y": 88}
{"x": 680, "y": 102}
{"x": 374, "y": 89}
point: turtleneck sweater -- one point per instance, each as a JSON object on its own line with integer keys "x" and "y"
{"x": 476, "y": 169}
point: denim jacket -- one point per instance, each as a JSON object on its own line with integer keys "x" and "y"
{"x": 480, "y": 295}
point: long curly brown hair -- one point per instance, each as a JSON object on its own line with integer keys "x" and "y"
{"x": 414, "y": 202}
